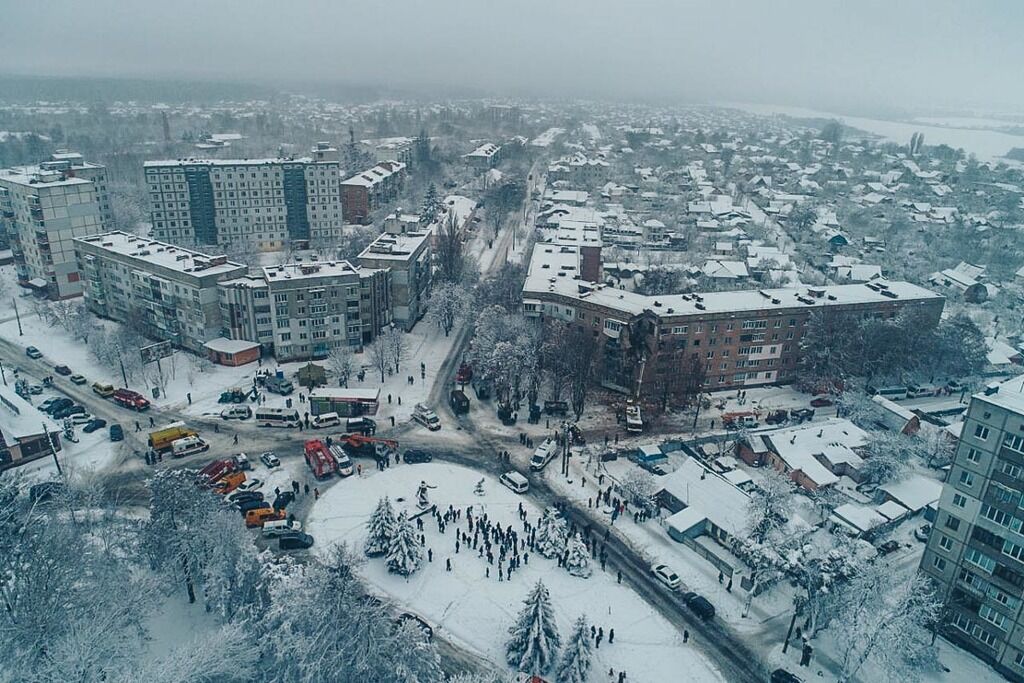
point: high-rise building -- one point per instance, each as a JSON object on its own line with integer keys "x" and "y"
{"x": 42, "y": 209}
{"x": 975, "y": 552}
{"x": 264, "y": 203}
{"x": 167, "y": 291}
{"x": 408, "y": 256}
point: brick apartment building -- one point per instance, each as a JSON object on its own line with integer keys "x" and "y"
{"x": 745, "y": 338}
{"x": 366, "y": 192}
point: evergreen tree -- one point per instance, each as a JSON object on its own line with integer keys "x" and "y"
{"x": 534, "y": 643}
{"x": 431, "y": 205}
{"x": 575, "y": 664}
{"x": 479, "y": 490}
{"x": 578, "y": 561}
{"x": 551, "y": 534}
{"x": 405, "y": 553}
{"x": 382, "y": 527}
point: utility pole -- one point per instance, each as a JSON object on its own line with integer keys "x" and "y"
{"x": 124, "y": 375}
{"x": 53, "y": 448}
{"x": 792, "y": 622}
{"x": 15, "y": 302}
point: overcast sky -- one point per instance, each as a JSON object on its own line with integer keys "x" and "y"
{"x": 817, "y": 53}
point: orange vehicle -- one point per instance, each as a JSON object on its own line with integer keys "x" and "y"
{"x": 259, "y": 516}
{"x": 368, "y": 446}
{"x": 229, "y": 482}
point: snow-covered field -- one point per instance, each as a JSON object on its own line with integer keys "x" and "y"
{"x": 476, "y": 611}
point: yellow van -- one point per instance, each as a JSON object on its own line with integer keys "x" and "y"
{"x": 104, "y": 390}
{"x": 257, "y": 517}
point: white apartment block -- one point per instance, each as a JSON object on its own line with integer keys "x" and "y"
{"x": 168, "y": 292}
{"x": 43, "y": 209}
{"x": 267, "y": 203}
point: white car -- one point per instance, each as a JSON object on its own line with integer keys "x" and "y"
{"x": 270, "y": 460}
{"x": 664, "y": 573}
{"x": 35, "y": 389}
{"x": 249, "y": 485}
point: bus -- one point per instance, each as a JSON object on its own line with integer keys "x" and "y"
{"x": 277, "y": 417}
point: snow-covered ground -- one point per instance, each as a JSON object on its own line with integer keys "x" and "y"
{"x": 476, "y": 611}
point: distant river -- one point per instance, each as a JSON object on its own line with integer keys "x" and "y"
{"x": 985, "y": 144}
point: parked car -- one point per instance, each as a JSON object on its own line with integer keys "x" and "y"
{"x": 237, "y": 497}
{"x": 664, "y": 573}
{"x": 295, "y": 541}
{"x": 69, "y": 411}
{"x": 699, "y": 605}
{"x": 922, "y": 532}
{"x": 888, "y": 547}
{"x": 281, "y": 527}
{"x": 62, "y": 370}
{"x": 33, "y": 352}
{"x": 47, "y": 403}
{"x": 56, "y": 404}
{"x": 283, "y": 500}
{"x": 246, "y": 505}
{"x": 783, "y": 676}
{"x": 776, "y": 417}
{"x": 822, "y": 402}
{"x": 250, "y": 485}
{"x": 81, "y": 418}
{"x": 270, "y": 460}
{"x": 955, "y": 385}
{"x": 236, "y": 413}
{"x": 515, "y": 482}
{"x": 415, "y": 455}
{"x": 801, "y": 414}
{"x": 417, "y": 621}
{"x": 94, "y": 424}
{"x": 116, "y": 432}
{"x": 35, "y": 389}
{"x": 78, "y": 379}
{"x": 103, "y": 389}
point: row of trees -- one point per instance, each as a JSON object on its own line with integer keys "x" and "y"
{"x": 534, "y": 641}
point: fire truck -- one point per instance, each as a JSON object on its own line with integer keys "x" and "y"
{"x": 368, "y": 446}
{"x": 319, "y": 459}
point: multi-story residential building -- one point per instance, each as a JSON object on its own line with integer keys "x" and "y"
{"x": 975, "y": 552}
{"x": 745, "y": 338}
{"x": 168, "y": 291}
{"x": 303, "y": 310}
{"x": 366, "y": 192}
{"x": 42, "y": 209}
{"x": 408, "y": 256}
{"x": 486, "y": 156}
{"x": 387, "y": 149}
{"x": 266, "y": 203}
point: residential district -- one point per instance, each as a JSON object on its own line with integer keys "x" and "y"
{"x": 516, "y": 390}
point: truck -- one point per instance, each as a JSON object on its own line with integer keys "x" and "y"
{"x": 212, "y": 472}
{"x": 361, "y": 425}
{"x": 368, "y": 446}
{"x": 634, "y": 423}
{"x": 426, "y": 416}
{"x": 162, "y": 438}
{"x": 278, "y": 385}
{"x": 319, "y": 458}
{"x": 188, "y": 445}
{"x": 745, "y": 419}
{"x": 130, "y": 399}
{"x": 459, "y": 401}
{"x": 464, "y": 374}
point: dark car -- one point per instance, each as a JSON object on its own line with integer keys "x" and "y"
{"x": 33, "y": 352}
{"x": 59, "y": 404}
{"x": 69, "y": 411}
{"x": 889, "y": 546}
{"x": 241, "y": 497}
{"x": 297, "y": 541}
{"x": 783, "y": 676}
{"x": 116, "y": 432}
{"x": 801, "y": 414}
{"x": 94, "y": 424}
{"x": 415, "y": 455}
{"x": 776, "y": 417}
{"x": 62, "y": 370}
{"x": 699, "y": 605}
{"x": 283, "y": 500}
{"x": 45, "y": 491}
{"x": 418, "y": 622}
{"x": 822, "y": 402}
{"x": 252, "y": 504}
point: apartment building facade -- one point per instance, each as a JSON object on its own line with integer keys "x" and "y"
{"x": 409, "y": 258}
{"x": 43, "y": 208}
{"x": 975, "y": 552}
{"x": 266, "y": 203}
{"x": 302, "y": 311}
{"x": 168, "y": 291}
{"x": 371, "y": 189}
{"x": 744, "y": 338}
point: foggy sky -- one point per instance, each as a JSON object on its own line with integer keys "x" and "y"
{"x": 817, "y": 53}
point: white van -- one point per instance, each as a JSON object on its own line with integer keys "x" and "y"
{"x": 426, "y": 416}
{"x": 280, "y": 526}
{"x": 515, "y": 481}
{"x": 187, "y": 446}
{"x": 544, "y": 454}
{"x": 236, "y": 413}
{"x": 324, "y": 420}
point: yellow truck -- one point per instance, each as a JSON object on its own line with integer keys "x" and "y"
{"x": 162, "y": 438}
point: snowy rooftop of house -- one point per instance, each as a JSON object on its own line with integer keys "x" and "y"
{"x": 833, "y": 439}
{"x": 36, "y": 176}
{"x": 391, "y": 247}
{"x": 890, "y": 509}
{"x": 568, "y": 196}
{"x": 709, "y": 495}
{"x": 225, "y": 345}
{"x": 485, "y": 151}
{"x": 311, "y": 269}
{"x": 375, "y": 175}
{"x": 547, "y": 275}
{"x": 162, "y": 254}
{"x": 859, "y": 517}
{"x": 915, "y": 492}
{"x": 19, "y": 418}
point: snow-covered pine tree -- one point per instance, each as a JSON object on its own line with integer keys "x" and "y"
{"x": 551, "y": 534}
{"x": 534, "y": 644}
{"x": 405, "y": 554}
{"x": 479, "y": 490}
{"x": 381, "y": 526}
{"x": 575, "y": 664}
{"x": 578, "y": 561}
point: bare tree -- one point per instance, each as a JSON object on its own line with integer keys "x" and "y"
{"x": 770, "y": 505}
{"x": 449, "y": 304}
{"x": 450, "y": 253}
{"x": 397, "y": 346}
{"x": 380, "y": 356}
{"x": 342, "y": 363}
{"x": 581, "y": 364}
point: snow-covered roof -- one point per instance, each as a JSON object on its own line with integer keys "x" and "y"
{"x": 914, "y": 492}
{"x": 225, "y": 345}
{"x": 709, "y": 495}
{"x": 169, "y": 256}
{"x": 891, "y": 510}
{"x": 858, "y": 517}
{"x": 376, "y": 175}
{"x": 19, "y": 418}
{"x": 833, "y": 439}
